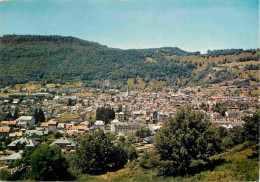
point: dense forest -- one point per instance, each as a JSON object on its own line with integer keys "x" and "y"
{"x": 57, "y": 59}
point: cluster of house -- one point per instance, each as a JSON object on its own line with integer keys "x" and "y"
{"x": 144, "y": 105}
{"x": 135, "y": 109}
{"x": 138, "y": 108}
{"x": 27, "y": 142}
{"x": 24, "y": 135}
{"x": 13, "y": 128}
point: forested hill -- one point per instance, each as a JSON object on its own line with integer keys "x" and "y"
{"x": 16, "y": 39}
{"x": 59, "y": 59}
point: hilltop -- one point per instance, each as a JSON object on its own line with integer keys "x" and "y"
{"x": 57, "y": 59}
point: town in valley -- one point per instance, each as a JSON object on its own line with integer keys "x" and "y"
{"x": 70, "y": 110}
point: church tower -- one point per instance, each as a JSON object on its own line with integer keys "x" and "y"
{"x": 127, "y": 91}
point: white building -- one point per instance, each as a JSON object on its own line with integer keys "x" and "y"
{"x": 29, "y": 119}
{"x": 124, "y": 127}
{"x": 99, "y": 123}
{"x": 12, "y": 157}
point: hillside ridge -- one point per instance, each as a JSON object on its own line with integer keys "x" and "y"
{"x": 56, "y": 59}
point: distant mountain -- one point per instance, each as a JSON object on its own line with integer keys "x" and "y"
{"x": 55, "y": 59}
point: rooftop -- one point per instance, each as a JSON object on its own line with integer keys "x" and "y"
{"x": 4, "y": 129}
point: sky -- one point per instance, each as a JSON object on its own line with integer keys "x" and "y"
{"x": 192, "y": 25}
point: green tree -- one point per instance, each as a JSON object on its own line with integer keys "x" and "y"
{"x": 9, "y": 117}
{"x": 48, "y": 163}
{"x": 204, "y": 106}
{"x": 222, "y": 132}
{"x": 237, "y": 135}
{"x": 7, "y": 141}
{"x": 41, "y": 116}
{"x": 70, "y": 102}
{"x": 105, "y": 114}
{"x": 223, "y": 110}
{"x": 119, "y": 108}
{"x": 97, "y": 154}
{"x": 5, "y": 175}
{"x": 150, "y": 160}
{"x": 122, "y": 139}
{"x": 131, "y": 139}
{"x": 26, "y": 158}
{"x": 57, "y": 135}
{"x": 31, "y": 127}
{"x": 131, "y": 153}
{"x": 16, "y": 114}
{"x": 143, "y": 132}
{"x": 36, "y": 115}
{"x": 186, "y": 142}
{"x": 251, "y": 127}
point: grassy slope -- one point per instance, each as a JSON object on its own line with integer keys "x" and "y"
{"x": 204, "y": 62}
{"x": 241, "y": 164}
